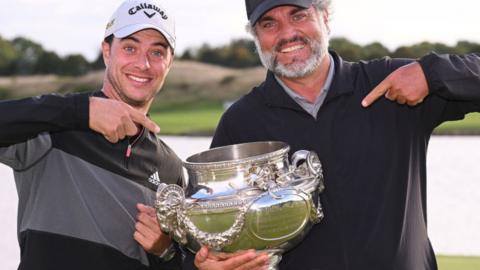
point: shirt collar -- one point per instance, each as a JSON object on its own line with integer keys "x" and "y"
{"x": 342, "y": 83}
{"x": 326, "y": 86}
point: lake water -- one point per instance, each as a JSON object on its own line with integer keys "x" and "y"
{"x": 453, "y": 196}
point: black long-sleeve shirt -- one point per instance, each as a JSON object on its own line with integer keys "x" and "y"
{"x": 374, "y": 158}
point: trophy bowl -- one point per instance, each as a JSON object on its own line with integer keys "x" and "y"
{"x": 244, "y": 196}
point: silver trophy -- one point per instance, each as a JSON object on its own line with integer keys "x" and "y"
{"x": 244, "y": 196}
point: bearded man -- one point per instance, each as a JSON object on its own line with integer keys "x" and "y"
{"x": 373, "y": 153}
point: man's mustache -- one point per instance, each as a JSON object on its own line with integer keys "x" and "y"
{"x": 283, "y": 42}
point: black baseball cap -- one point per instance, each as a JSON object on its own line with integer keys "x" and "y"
{"x": 256, "y": 8}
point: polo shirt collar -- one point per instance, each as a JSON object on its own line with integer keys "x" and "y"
{"x": 312, "y": 108}
{"x": 342, "y": 84}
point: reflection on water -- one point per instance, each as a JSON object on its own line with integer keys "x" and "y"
{"x": 453, "y": 196}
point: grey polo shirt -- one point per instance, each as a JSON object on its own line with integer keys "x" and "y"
{"x": 311, "y": 108}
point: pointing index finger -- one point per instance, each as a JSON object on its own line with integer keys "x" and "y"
{"x": 377, "y": 92}
{"x": 143, "y": 120}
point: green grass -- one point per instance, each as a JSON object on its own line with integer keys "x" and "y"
{"x": 471, "y": 123}
{"x": 188, "y": 122}
{"x": 202, "y": 118}
{"x": 458, "y": 263}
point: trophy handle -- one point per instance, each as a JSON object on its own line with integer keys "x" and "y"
{"x": 314, "y": 168}
{"x": 311, "y": 158}
{"x": 172, "y": 217}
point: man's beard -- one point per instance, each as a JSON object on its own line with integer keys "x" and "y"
{"x": 298, "y": 68}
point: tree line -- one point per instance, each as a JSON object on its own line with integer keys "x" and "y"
{"x": 22, "y": 56}
{"x": 241, "y": 53}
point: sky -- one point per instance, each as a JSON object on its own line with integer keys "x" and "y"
{"x": 68, "y": 27}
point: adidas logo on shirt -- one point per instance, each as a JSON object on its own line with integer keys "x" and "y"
{"x": 154, "y": 178}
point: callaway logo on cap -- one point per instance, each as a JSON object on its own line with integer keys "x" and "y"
{"x": 134, "y": 15}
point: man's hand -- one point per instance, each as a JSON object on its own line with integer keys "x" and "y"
{"x": 241, "y": 260}
{"x": 148, "y": 233}
{"x": 407, "y": 85}
{"x": 115, "y": 119}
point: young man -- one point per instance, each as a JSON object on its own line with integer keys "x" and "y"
{"x": 83, "y": 194}
{"x": 373, "y": 155}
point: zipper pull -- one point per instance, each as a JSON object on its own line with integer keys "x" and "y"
{"x": 129, "y": 151}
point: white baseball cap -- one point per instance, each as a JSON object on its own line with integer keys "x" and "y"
{"x": 134, "y": 15}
